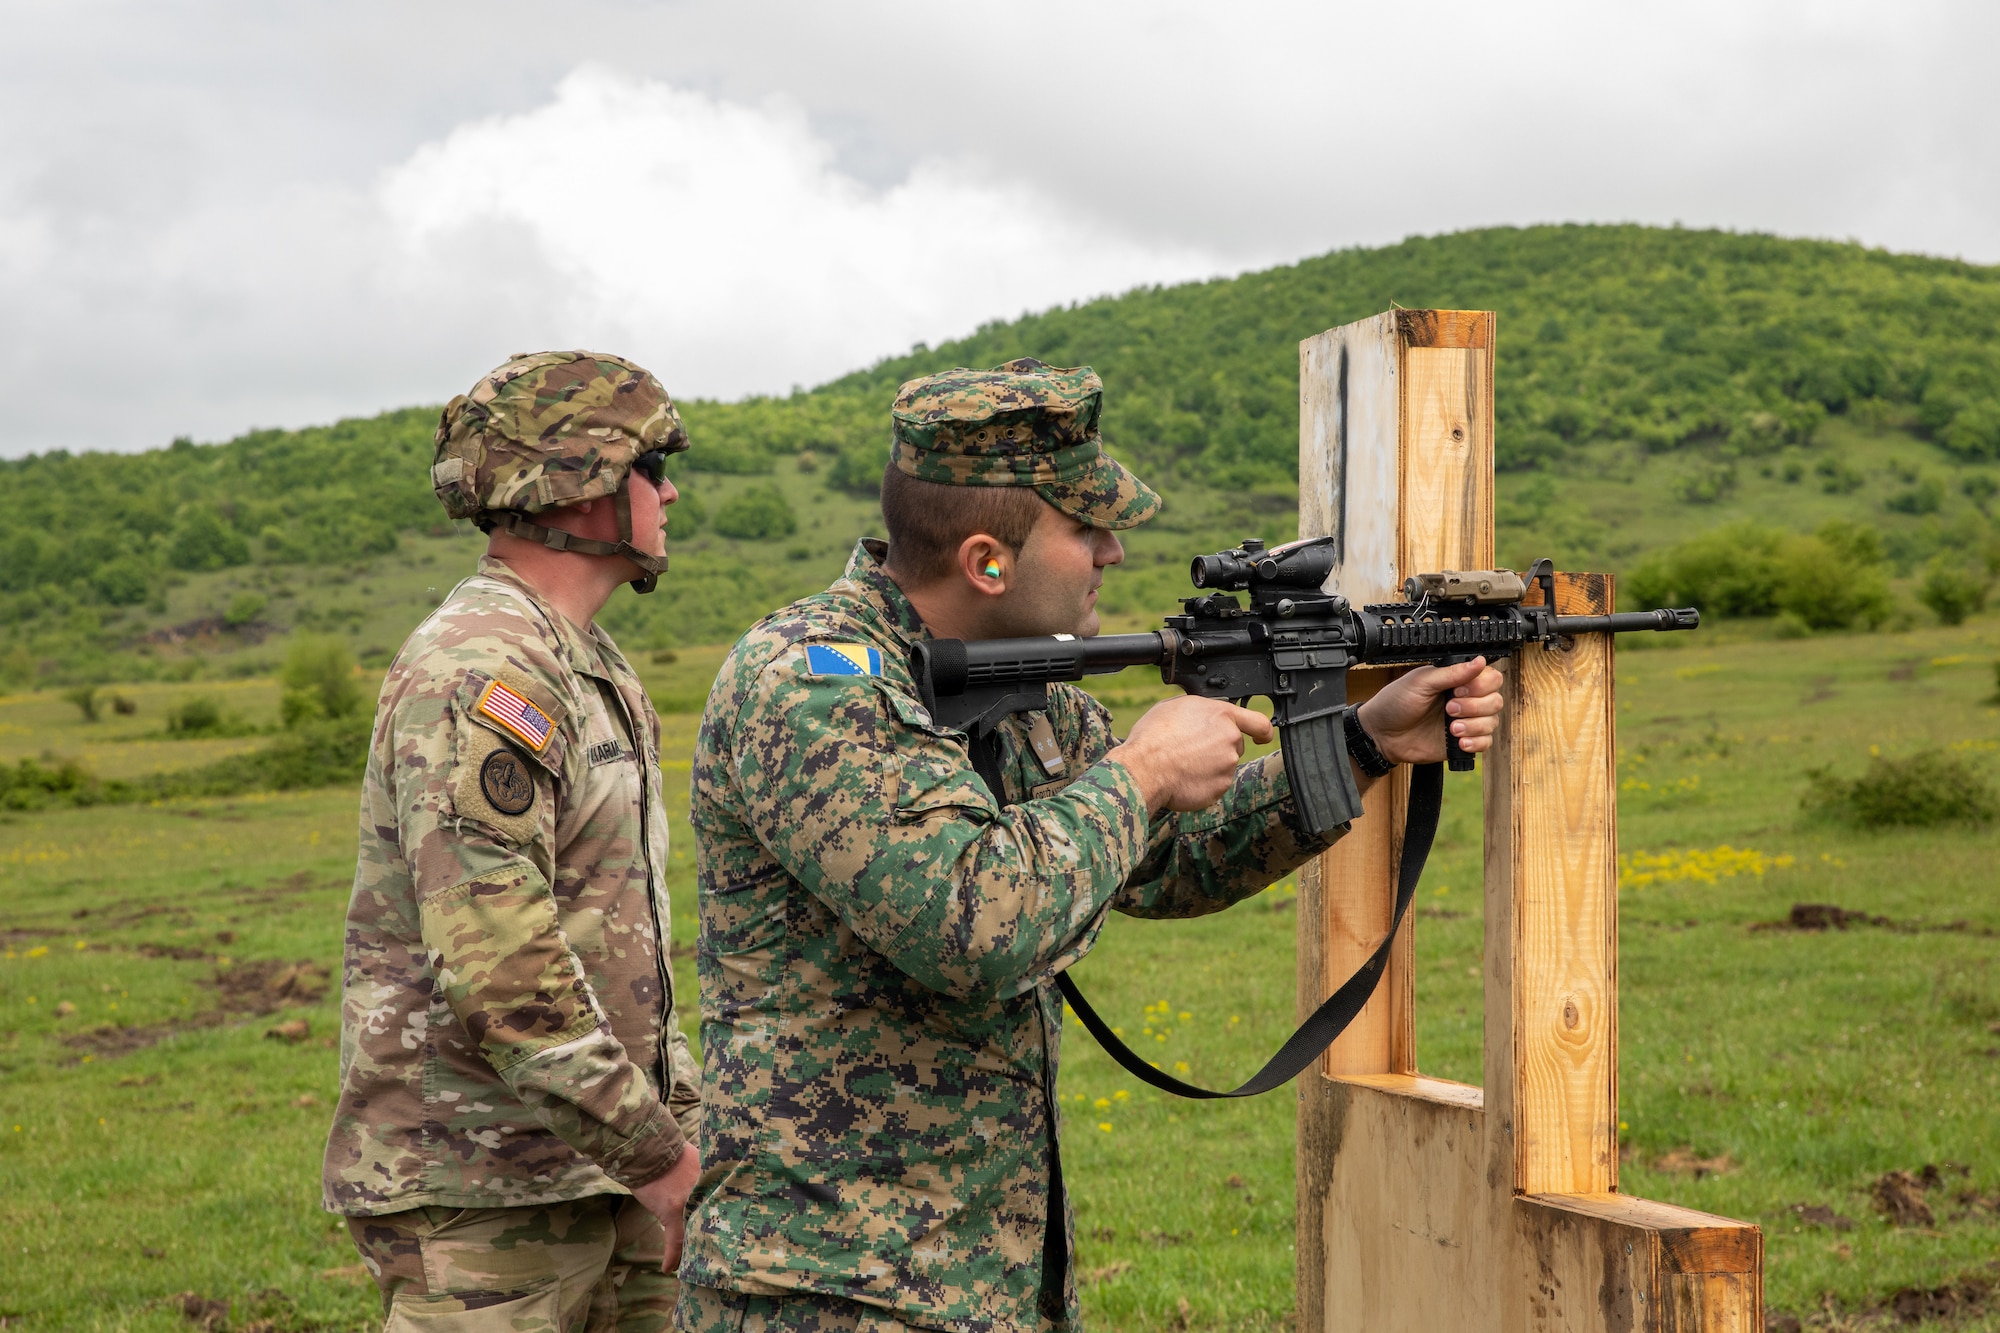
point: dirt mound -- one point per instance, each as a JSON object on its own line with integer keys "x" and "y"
{"x": 1822, "y": 916}
{"x": 1819, "y": 1215}
{"x": 264, "y": 986}
{"x": 1688, "y": 1162}
{"x": 1970, "y": 1297}
{"x": 252, "y": 989}
{"x": 1900, "y": 1197}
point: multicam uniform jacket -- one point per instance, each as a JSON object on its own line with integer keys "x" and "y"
{"x": 879, "y": 938}
{"x": 508, "y": 1031}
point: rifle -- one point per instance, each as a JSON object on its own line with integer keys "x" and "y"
{"x": 1293, "y": 644}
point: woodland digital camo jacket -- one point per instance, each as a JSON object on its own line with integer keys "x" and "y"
{"x": 879, "y": 938}
{"x": 508, "y": 1033}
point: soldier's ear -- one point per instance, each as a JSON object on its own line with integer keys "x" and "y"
{"x": 985, "y": 563}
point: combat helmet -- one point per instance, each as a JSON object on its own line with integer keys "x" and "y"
{"x": 556, "y": 428}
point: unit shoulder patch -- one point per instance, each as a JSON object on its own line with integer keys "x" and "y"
{"x": 516, "y": 714}
{"x": 843, "y": 659}
{"x": 506, "y": 783}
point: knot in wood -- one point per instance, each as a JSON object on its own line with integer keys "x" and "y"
{"x": 1571, "y": 1016}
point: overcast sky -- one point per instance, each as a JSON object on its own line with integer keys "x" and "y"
{"x": 215, "y": 216}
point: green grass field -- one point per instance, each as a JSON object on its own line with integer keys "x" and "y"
{"x": 154, "y": 1140}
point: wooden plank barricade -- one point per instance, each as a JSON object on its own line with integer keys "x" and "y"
{"x": 1423, "y": 1204}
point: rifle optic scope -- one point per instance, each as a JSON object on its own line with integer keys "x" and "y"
{"x": 1300, "y": 565}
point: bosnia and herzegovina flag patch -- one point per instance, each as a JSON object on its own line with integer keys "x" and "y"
{"x": 843, "y": 659}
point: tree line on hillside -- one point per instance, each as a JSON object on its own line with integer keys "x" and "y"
{"x": 1732, "y": 346}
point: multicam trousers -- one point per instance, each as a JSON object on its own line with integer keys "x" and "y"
{"x": 592, "y": 1265}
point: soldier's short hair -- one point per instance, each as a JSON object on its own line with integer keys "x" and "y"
{"x": 929, "y": 520}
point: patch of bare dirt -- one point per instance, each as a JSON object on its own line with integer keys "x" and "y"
{"x": 252, "y": 988}
{"x": 1899, "y": 1196}
{"x": 264, "y": 986}
{"x": 1688, "y": 1162}
{"x": 1827, "y": 916}
{"x": 1822, "y": 916}
{"x": 203, "y": 1312}
{"x": 1819, "y": 1215}
{"x": 1971, "y": 1296}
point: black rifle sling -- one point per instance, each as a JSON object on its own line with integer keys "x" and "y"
{"x": 1330, "y": 1019}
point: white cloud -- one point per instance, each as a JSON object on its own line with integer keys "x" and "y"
{"x": 720, "y": 243}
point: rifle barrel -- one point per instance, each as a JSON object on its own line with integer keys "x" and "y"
{"x": 1626, "y": 622}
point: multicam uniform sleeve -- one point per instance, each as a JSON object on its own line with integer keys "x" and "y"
{"x": 477, "y": 825}
{"x": 1204, "y": 860}
{"x": 879, "y": 814}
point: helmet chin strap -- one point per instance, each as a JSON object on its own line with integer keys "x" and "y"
{"x": 517, "y": 524}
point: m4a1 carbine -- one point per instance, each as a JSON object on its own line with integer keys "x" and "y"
{"x": 1293, "y": 644}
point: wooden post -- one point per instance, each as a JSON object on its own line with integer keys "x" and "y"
{"x": 1422, "y": 1203}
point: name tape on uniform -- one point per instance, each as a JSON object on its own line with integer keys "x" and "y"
{"x": 843, "y": 659}
{"x": 516, "y": 715}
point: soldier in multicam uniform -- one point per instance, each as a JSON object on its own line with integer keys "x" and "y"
{"x": 880, "y": 930}
{"x": 513, "y": 1146}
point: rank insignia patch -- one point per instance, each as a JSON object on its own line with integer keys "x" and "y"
{"x": 517, "y": 715}
{"x": 843, "y": 659}
{"x": 505, "y": 781}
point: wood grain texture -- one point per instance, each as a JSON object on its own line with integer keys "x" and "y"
{"x": 1349, "y": 458}
{"x": 1410, "y": 1238}
{"x": 1601, "y": 1262}
{"x": 1551, "y": 839}
{"x": 1447, "y": 464}
{"x": 1358, "y": 888}
{"x": 1446, "y": 328}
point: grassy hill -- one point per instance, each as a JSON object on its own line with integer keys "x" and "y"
{"x": 1652, "y": 384}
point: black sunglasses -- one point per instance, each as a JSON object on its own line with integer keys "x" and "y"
{"x": 652, "y": 465}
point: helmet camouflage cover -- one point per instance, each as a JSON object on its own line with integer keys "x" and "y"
{"x": 549, "y": 429}
{"x": 1019, "y": 424}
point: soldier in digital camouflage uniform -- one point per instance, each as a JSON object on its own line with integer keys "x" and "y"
{"x": 880, "y": 934}
{"x": 512, "y": 1069}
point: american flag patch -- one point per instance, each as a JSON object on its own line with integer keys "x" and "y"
{"x": 517, "y": 715}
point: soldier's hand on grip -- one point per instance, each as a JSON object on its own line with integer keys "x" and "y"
{"x": 1184, "y": 752}
{"x": 1408, "y": 718}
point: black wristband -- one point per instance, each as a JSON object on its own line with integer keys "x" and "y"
{"x": 1361, "y": 747}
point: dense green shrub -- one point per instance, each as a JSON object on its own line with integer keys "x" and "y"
{"x": 244, "y": 607}
{"x": 199, "y": 716}
{"x": 1951, "y": 591}
{"x": 202, "y": 540}
{"x": 757, "y": 514}
{"x": 319, "y": 681}
{"x": 1727, "y": 571}
{"x": 1930, "y": 787}
{"x": 121, "y": 582}
{"x": 1829, "y": 580}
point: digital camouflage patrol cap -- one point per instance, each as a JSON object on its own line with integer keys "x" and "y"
{"x": 1020, "y": 424}
{"x": 549, "y": 429}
